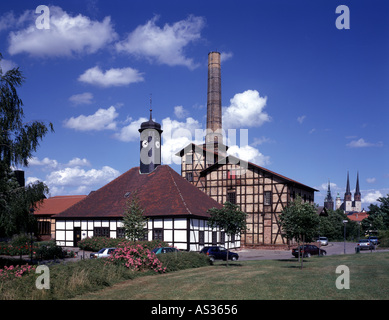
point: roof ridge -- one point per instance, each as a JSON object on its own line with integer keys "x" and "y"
{"x": 179, "y": 192}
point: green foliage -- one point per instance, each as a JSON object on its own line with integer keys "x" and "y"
{"x": 378, "y": 216}
{"x": 18, "y": 141}
{"x": 230, "y": 218}
{"x": 299, "y": 221}
{"x": 96, "y": 243}
{"x": 174, "y": 261}
{"x": 133, "y": 220}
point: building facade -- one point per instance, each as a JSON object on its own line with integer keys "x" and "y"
{"x": 259, "y": 192}
{"x": 176, "y": 211}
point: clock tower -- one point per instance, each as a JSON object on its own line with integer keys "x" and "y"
{"x": 150, "y": 145}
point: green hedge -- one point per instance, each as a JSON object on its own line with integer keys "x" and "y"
{"x": 96, "y": 243}
{"x": 181, "y": 260}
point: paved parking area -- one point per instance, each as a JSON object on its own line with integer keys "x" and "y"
{"x": 333, "y": 248}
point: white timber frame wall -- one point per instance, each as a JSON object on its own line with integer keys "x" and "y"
{"x": 184, "y": 233}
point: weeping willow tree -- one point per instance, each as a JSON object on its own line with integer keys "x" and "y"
{"x": 18, "y": 141}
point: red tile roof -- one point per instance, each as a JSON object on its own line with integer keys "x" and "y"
{"x": 358, "y": 216}
{"x": 57, "y": 204}
{"x": 162, "y": 192}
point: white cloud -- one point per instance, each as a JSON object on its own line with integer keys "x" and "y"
{"x": 111, "y": 77}
{"x": 130, "y": 132}
{"x": 250, "y": 154}
{"x": 361, "y": 143}
{"x": 371, "y": 180}
{"x": 46, "y": 162}
{"x": 180, "y": 112}
{"x": 6, "y": 65}
{"x": 77, "y": 162}
{"x": 301, "y": 119}
{"x": 177, "y": 135}
{"x": 8, "y": 20}
{"x": 82, "y": 98}
{"x": 80, "y": 177}
{"x": 245, "y": 110}
{"x": 102, "y": 119}
{"x": 371, "y": 197}
{"x": 163, "y": 45}
{"x": 224, "y": 56}
{"x": 68, "y": 35}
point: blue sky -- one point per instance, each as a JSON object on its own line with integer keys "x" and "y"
{"x": 313, "y": 97}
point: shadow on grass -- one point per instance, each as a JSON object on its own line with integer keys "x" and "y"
{"x": 297, "y": 263}
{"x": 224, "y": 264}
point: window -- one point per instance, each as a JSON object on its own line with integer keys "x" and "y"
{"x": 158, "y": 234}
{"x": 267, "y": 198}
{"x": 231, "y": 197}
{"x": 44, "y": 227}
{"x": 214, "y": 238}
{"x": 222, "y": 237}
{"x": 188, "y": 159}
{"x": 120, "y": 233}
{"x": 231, "y": 174}
{"x": 201, "y": 238}
{"x": 101, "y": 232}
{"x": 189, "y": 176}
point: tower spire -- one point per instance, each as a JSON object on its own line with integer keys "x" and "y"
{"x": 328, "y": 201}
{"x": 347, "y": 195}
{"x": 357, "y": 194}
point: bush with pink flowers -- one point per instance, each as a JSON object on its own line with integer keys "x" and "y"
{"x": 136, "y": 257}
{"x": 12, "y": 272}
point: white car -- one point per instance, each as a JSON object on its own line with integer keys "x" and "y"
{"x": 323, "y": 241}
{"x": 103, "y": 253}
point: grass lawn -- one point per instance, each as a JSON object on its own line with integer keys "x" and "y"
{"x": 265, "y": 279}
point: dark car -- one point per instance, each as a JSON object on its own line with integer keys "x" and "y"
{"x": 308, "y": 250}
{"x": 164, "y": 250}
{"x": 219, "y": 253}
{"x": 374, "y": 240}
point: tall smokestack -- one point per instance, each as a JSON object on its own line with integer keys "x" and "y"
{"x": 214, "y": 101}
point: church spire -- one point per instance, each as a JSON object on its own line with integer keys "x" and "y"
{"x": 357, "y": 194}
{"x": 347, "y": 195}
{"x": 328, "y": 201}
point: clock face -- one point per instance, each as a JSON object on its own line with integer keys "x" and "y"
{"x": 157, "y": 145}
{"x": 145, "y": 143}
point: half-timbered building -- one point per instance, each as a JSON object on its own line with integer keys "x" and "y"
{"x": 259, "y": 192}
{"x": 177, "y": 211}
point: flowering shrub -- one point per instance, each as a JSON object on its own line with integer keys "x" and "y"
{"x": 16, "y": 250}
{"x": 12, "y": 272}
{"x": 136, "y": 257}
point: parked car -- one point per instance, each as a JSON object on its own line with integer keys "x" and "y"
{"x": 164, "y": 250}
{"x": 103, "y": 253}
{"x": 219, "y": 253}
{"x": 323, "y": 241}
{"x": 374, "y": 240}
{"x": 365, "y": 244}
{"x": 308, "y": 250}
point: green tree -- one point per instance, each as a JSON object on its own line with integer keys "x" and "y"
{"x": 133, "y": 220}
{"x": 18, "y": 141}
{"x": 378, "y": 216}
{"x": 300, "y": 221}
{"x": 230, "y": 219}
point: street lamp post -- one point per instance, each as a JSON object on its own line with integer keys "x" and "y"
{"x": 344, "y": 223}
